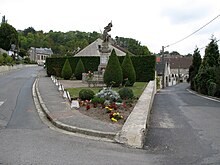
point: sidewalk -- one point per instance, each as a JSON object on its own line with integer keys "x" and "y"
{"x": 61, "y": 115}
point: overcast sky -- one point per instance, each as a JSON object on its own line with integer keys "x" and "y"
{"x": 155, "y": 23}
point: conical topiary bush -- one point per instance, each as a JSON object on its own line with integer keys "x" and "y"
{"x": 113, "y": 72}
{"x": 80, "y": 69}
{"x": 129, "y": 75}
{"x": 66, "y": 72}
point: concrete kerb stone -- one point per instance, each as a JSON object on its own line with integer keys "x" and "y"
{"x": 134, "y": 130}
{"x": 66, "y": 127}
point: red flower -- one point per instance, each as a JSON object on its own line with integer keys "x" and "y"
{"x": 87, "y": 107}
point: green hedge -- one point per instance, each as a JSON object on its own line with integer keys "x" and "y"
{"x": 144, "y": 65}
{"x": 55, "y": 64}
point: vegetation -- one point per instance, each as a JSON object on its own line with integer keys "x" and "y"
{"x": 137, "y": 89}
{"x": 79, "y": 70}
{"x": 8, "y": 36}
{"x": 113, "y": 74}
{"x": 207, "y": 79}
{"x": 144, "y": 65}
{"x": 86, "y": 94}
{"x": 6, "y": 59}
{"x": 66, "y": 70}
{"x": 129, "y": 75}
{"x": 126, "y": 93}
{"x": 71, "y": 42}
{"x": 194, "y": 68}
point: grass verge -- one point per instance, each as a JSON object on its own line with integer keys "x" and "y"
{"x": 137, "y": 88}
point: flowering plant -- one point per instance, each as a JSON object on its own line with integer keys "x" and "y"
{"x": 115, "y": 116}
{"x": 108, "y": 94}
{"x": 89, "y": 76}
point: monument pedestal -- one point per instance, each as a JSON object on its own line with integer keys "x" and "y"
{"x": 104, "y": 56}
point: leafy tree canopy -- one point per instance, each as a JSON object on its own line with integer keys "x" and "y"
{"x": 8, "y": 36}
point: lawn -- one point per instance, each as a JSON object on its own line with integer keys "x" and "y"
{"x": 137, "y": 89}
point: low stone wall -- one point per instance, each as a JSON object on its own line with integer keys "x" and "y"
{"x": 134, "y": 130}
{"x": 14, "y": 67}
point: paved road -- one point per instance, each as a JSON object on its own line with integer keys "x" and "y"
{"x": 25, "y": 139}
{"x": 184, "y": 127}
{"x": 184, "y": 130}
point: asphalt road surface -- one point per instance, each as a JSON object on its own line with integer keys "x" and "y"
{"x": 184, "y": 127}
{"x": 184, "y": 130}
{"x": 25, "y": 139}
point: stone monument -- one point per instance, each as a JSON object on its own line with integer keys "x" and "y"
{"x": 104, "y": 49}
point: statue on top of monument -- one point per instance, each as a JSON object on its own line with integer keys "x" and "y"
{"x": 107, "y": 29}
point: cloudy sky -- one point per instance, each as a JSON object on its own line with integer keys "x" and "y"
{"x": 155, "y": 23}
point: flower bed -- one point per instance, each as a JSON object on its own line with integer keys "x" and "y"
{"x": 112, "y": 113}
{"x": 106, "y": 105}
{"x": 107, "y": 101}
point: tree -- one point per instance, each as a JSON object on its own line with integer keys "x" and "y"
{"x": 66, "y": 70}
{"x": 8, "y": 36}
{"x": 129, "y": 75}
{"x": 211, "y": 54}
{"x": 80, "y": 69}
{"x": 29, "y": 30}
{"x": 194, "y": 68}
{"x": 113, "y": 73}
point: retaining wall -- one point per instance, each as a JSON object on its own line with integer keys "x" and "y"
{"x": 134, "y": 130}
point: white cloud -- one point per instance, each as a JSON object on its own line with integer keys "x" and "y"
{"x": 153, "y": 23}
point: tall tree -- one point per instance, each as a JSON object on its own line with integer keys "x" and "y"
{"x": 211, "y": 54}
{"x": 8, "y": 36}
{"x": 194, "y": 68}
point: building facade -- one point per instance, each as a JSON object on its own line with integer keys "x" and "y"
{"x": 39, "y": 55}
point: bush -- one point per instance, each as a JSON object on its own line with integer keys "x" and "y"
{"x": 129, "y": 75}
{"x": 126, "y": 93}
{"x": 108, "y": 94}
{"x": 144, "y": 65}
{"x": 113, "y": 74}
{"x": 212, "y": 88}
{"x": 80, "y": 69}
{"x": 66, "y": 71}
{"x": 1, "y": 59}
{"x": 98, "y": 100}
{"x": 86, "y": 94}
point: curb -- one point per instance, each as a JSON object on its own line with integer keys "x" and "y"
{"x": 203, "y": 96}
{"x": 58, "y": 124}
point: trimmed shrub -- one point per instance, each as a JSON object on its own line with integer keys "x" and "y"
{"x": 80, "y": 69}
{"x": 113, "y": 74}
{"x": 144, "y": 65}
{"x": 129, "y": 75}
{"x": 86, "y": 94}
{"x": 66, "y": 71}
{"x": 126, "y": 93}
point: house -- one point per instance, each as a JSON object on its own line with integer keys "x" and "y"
{"x": 175, "y": 68}
{"x": 39, "y": 55}
{"x": 179, "y": 65}
{"x": 94, "y": 49}
{"x": 163, "y": 69}
{"x": 2, "y": 51}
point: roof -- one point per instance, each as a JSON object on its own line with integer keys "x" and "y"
{"x": 93, "y": 49}
{"x": 42, "y": 50}
{"x": 180, "y": 62}
{"x": 3, "y": 51}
